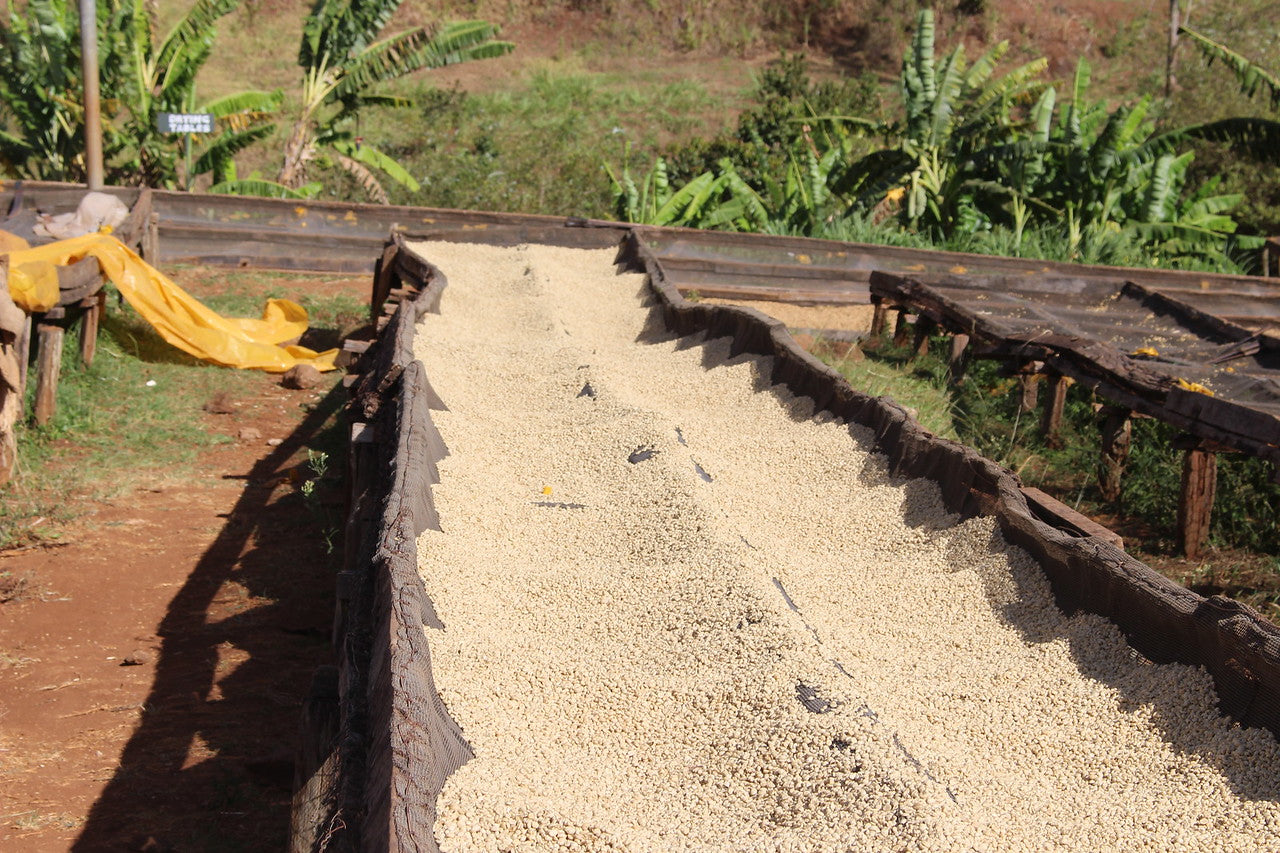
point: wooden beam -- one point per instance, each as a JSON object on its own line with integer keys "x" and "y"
{"x": 89, "y": 326}
{"x": 1117, "y": 430}
{"x": 1187, "y": 441}
{"x": 1051, "y": 421}
{"x": 48, "y": 365}
{"x": 81, "y": 279}
{"x": 1195, "y": 504}
{"x": 1060, "y": 515}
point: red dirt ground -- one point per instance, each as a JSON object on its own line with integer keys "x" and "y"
{"x": 221, "y": 588}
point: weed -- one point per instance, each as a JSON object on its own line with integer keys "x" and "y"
{"x": 13, "y": 587}
{"x": 318, "y": 493}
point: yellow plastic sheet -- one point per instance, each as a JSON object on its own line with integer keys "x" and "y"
{"x": 33, "y": 284}
{"x": 178, "y": 317}
{"x": 10, "y": 242}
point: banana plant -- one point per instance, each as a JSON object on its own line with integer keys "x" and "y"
{"x": 1109, "y": 179}
{"x": 142, "y": 74}
{"x": 343, "y": 61}
{"x": 653, "y": 202}
{"x": 953, "y": 111}
{"x": 41, "y": 94}
{"x": 722, "y": 199}
{"x": 158, "y": 74}
{"x": 1251, "y": 76}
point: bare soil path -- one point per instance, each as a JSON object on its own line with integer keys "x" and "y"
{"x": 153, "y": 662}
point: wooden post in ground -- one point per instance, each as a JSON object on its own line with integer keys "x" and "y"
{"x": 12, "y": 321}
{"x": 1028, "y": 392}
{"x": 23, "y": 347}
{"x": 10, "y": 413}
{"x": 1051, "y": 421}
{"x": 385, "y": 278}
{"x": 956, "y": 358}
{"x": 879, "y": 318}
{"x": 48, "y": 365}
{"x": 924, "y": 328}
{"x": 150, "y": 244}
{"x": 1195, "y": 504}
{"x": 902, "y": 330}
{"x": 93, "y": 307}
{"x": 315, "y": 775}
{"x": 1117, "y": 430}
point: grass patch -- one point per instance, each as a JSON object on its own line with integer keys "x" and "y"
{"x": 137, "y": 412}
{"x": 916, "y": 390}
{"x": 539, "y": 146}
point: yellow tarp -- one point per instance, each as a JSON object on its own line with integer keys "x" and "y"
{"x": 176, "y": 315}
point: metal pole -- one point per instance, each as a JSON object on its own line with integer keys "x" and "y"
{"x": 92, "y": 112}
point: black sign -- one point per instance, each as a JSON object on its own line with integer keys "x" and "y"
{"x": 185, "y": 122}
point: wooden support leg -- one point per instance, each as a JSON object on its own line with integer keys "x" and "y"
{"x": 23, "y": 347}
{"x": 956, "y": 359}
{"x": 93, "y": 308}
{"x": 902, "y": 330}
{"x": 316, "y": 765}
{"x": 924, "y": 328}
{"x": 384, "y": 280}
{"x": 150, "y": 245}
{"x": 1051, "y": 421}
{"x": 10, "y": 411}
{"x": 879, "y": 318}
{"x": 1195, "y": 504}
{"x": 48, "y": 365}
{"x": 1029, "y": 392}
{"x": 1117, "y": 430}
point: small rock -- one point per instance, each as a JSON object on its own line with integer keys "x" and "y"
{"x": 275, "y": 442}
{"x": 220, "y": 404}
{"x": 301, "y": 377}
{"x": 137, "y": 657}
{"x": 250, "y": 434}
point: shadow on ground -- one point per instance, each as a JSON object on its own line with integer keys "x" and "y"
{"x": 210, "y": 766}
